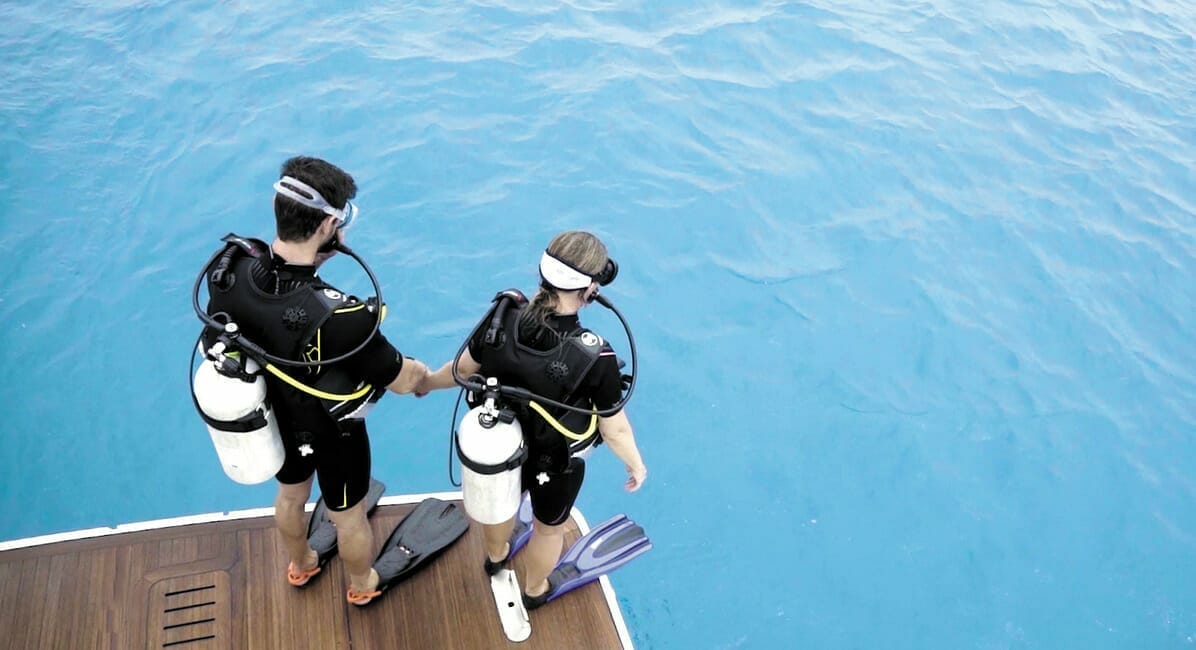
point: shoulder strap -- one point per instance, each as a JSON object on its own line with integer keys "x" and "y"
{"x": 503, "y": 300}
{"x": 331, "y": 298}
{"x": 586, "y": 346}
{"x": 252, "y": 247}
{"x": 234, "y": 246}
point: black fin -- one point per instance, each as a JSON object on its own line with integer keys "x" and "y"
{"x": 422, "y": 535}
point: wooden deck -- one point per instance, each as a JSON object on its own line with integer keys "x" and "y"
{"x": 221, "y": 585}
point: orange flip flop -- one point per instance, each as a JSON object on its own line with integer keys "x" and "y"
{"x": 299, "y": 578}
{"x": 361, "y": 598}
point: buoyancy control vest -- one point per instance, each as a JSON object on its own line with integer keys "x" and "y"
{"x": 284, "y": 320}
{"x": 281, "y": 322}
{"x": 556, "y": 373}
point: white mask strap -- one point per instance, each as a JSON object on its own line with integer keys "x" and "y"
{"x": 561, "y": 275}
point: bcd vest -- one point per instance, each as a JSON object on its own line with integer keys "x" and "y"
{"x": 282, "y": 324}
{"x": 556, "y": 373}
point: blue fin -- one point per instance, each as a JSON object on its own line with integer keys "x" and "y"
{"x": 321, "y": 533}
{"x": 610, "y": 545}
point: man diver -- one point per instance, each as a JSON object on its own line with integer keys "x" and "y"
{"x": 277, "y": 300}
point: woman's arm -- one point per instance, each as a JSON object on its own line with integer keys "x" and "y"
{"x": 617, "y": 434}
{"x": 443, "y": 377}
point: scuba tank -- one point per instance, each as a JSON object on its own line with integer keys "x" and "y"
{"x": 490, "y": 447}
{"x": 231, "y": 399}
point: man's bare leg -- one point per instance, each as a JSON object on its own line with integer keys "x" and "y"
{"x": 355, "y": 540}
{"x": 292, "y": 525}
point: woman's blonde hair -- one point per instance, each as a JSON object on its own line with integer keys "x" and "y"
{"x": 579, "y": 249}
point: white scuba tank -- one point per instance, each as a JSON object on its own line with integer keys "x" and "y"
{"x": 252, "y": 456}
{"x": 491, "y": 452}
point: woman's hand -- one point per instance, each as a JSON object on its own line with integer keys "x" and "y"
{"x": 635, "y": 478}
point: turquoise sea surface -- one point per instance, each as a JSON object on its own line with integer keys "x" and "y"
{"x": 913, "y": 283}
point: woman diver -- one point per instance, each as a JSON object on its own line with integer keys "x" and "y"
{"x": 540, "y": 350}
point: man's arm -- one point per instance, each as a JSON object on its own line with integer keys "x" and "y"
{"x": 413, "y": 373}
{"x": 377, "y": 361}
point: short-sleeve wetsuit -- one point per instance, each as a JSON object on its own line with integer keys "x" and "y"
{"x": 554, "y": 479}
{"x": 337, "y": 452}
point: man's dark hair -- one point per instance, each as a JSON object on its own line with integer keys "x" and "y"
{"x": 297, "y": 222}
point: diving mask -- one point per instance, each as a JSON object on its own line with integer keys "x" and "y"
{"x": 566, "y": 277}
{"x": 303, "y": 194}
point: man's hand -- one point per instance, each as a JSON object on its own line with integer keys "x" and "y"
{"x": 411, "y": 378}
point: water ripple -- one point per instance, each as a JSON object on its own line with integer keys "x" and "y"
{"x": 911, "y": 282}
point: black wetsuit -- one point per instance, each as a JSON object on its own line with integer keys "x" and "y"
{"x": 337, "y": 452}
{"x": 554, "y": 479}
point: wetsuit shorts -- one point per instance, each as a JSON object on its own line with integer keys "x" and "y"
{"x": 340, "y": 460}
{"x": 552, "y": 500}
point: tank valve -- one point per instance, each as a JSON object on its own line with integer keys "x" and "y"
{"x": 489, "y": 415}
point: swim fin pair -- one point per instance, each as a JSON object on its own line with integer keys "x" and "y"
{"x": 321, "y": 534}
{"x": 607, "y": 546}
{"x": 422, "y": 535}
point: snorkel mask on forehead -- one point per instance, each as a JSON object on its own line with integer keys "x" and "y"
{"x": 566, "y": 277}
{"x": 303, "y": 194}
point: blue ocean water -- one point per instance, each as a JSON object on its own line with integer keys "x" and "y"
{"x": 912, "y": 283}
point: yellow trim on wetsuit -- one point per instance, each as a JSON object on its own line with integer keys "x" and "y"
{"x": 556, "y": 424}
{"x": 312, "y": 354}
{"x": 360, "y": 306}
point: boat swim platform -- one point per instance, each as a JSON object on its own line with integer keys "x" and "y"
{"x": 218, "y": 582}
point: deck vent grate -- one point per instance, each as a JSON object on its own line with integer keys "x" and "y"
{"x": 190, "y": 612}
